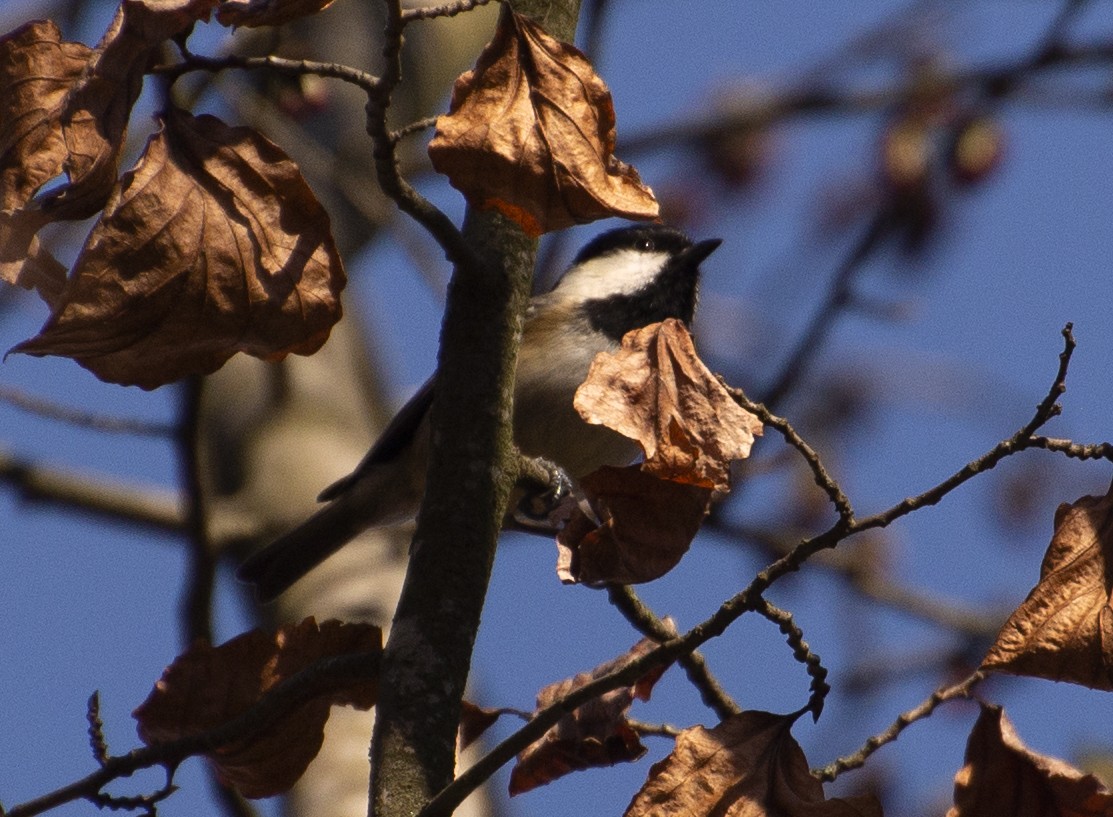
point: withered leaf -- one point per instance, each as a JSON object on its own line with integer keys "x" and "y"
{"x": 657, "y": 391}
{"x": 64, "y": 108}
{"x": 1004, "y": 778}
{"x": 594, "y": 735}
{"x": 1063, "y": 631}
{"x": 474, "y": 721}
{"x": 24, "y": 261}
{"x": 85, "y": 129}
{"x": 37, "y": 72}
{"x": 255, "y": 13}
{"x": 647, "y": 525}
{"x": 208, "y": 686}
{"x": 213, "y": 244}
{"x": 531, "y": 132}
{"x": 747, "y": 766}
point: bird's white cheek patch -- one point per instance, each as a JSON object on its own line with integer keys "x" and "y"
{"x": 619, "y": 273}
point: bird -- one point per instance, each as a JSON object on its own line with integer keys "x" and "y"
{"x": 623, "y": 279}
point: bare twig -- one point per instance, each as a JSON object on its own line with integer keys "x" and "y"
{"x": 1078, "y": 451}
{"x": 285, "y": 697}
{"x": 97, "y": 741}
{"x": 822, "y": 477}
{"x": 647, "y": 623}
{"x": 822, "y": 99}
{"x": 447, "y": 10}
{"x": 201, "y": 580}
{"x": 838, "y": 298}
{"x": 801, "y": 652}
{"x": 949, "y": 613}
{"x": 332, "y": 70}
{"x": 960, "y": 690}
{"x": 82, "y": 419}
{"x": 663, "y": 730}
{"x": 412, "y": 128}
{"x": 93, "y": 493}
{"x": 1021, "y": 440}
{"x": 411, "y": 202}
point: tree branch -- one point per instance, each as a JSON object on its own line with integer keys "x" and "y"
{"x": 284, "y": 698}
{"x": 747, "y": 600}
{"x": 960, "y": 690}
{"x": 623, "y": 597}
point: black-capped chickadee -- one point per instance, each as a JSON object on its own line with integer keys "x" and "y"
{"x": 622, "y": 280}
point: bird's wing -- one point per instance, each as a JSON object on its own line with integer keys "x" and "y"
{"x": 396, "y": 437}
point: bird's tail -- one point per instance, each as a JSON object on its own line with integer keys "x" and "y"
{"x": 285, "y": 560}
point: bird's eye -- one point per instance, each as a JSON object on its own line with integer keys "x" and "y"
{"x": 646, "y": 245}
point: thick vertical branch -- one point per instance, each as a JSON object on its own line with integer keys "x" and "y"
{"x": 471, "y": 471}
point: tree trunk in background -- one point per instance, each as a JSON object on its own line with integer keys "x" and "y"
{"x": 274, "y": 435}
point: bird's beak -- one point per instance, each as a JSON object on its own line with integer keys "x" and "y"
{"x": 700, "y": 250}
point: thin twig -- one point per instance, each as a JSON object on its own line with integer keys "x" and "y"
{"x": 801, "y": 652}
{"x": 838, "y": 297}
{"x": 865, "y": 579}
{"x": 387, "y": 169}
{"x": 201, "y": 580}
{"x": 649, "y": 624}
{"x": 412, "y": 128}
{"x": 447, "y": 10}
{"x": 1078, "y": 451}
{"x": 1021, "y": 440}
{"x": 97, "y": 741}
{"x": 93, "y": 493}
{"x": 323, "y": 676}
{"x": 82, "y": 419}
{"x": 822, "y": 476}
{"x": 663, "y": 730}
{"x": 960, "y": 690}
{"x": 330, "y": 70}
{"x": 822, "y": 99}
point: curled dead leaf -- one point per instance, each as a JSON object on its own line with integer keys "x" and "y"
{"x": 1004, "y": 778}
{"x": 645, "y": 527}
{"x": 24, "y": 261}
{"x": 474, "y": 721}
{"x": 208, "y": 686}
{"x": 747, "y": 766}
{"x": 92, "y": 119}
{"x": 657, "y": 391}
{"x": 37, "y": 72}
{"x": 531, "y": 132}
{"x": 1063, "y": 631}
{"x": 213, "y": 244}
{"x": 255, "y": 13}
{"x": 64, "y": 108}
{"x": 596, "y": 734}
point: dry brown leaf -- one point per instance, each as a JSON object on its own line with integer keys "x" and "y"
{"x": 474, "y": 721}
{"x": 255, "y": 13}
{"x": 92, "y": 119}
{"x": 208, "y": 686}
{"x": 747, "y": 766}
{"x": 37, "y": 72}
{"x": 1064, "y": 629}
{"x": 657, "y": 391}
{"x": 531, "y": 133}
{"x": 64, "y": 108}
{"x": 1004, "y": 778}
{"x": 596, "y": 734}
{"x": 24, "y": 261}
{"x": 213, "y": 244}
{"x": 647, "y": 526}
